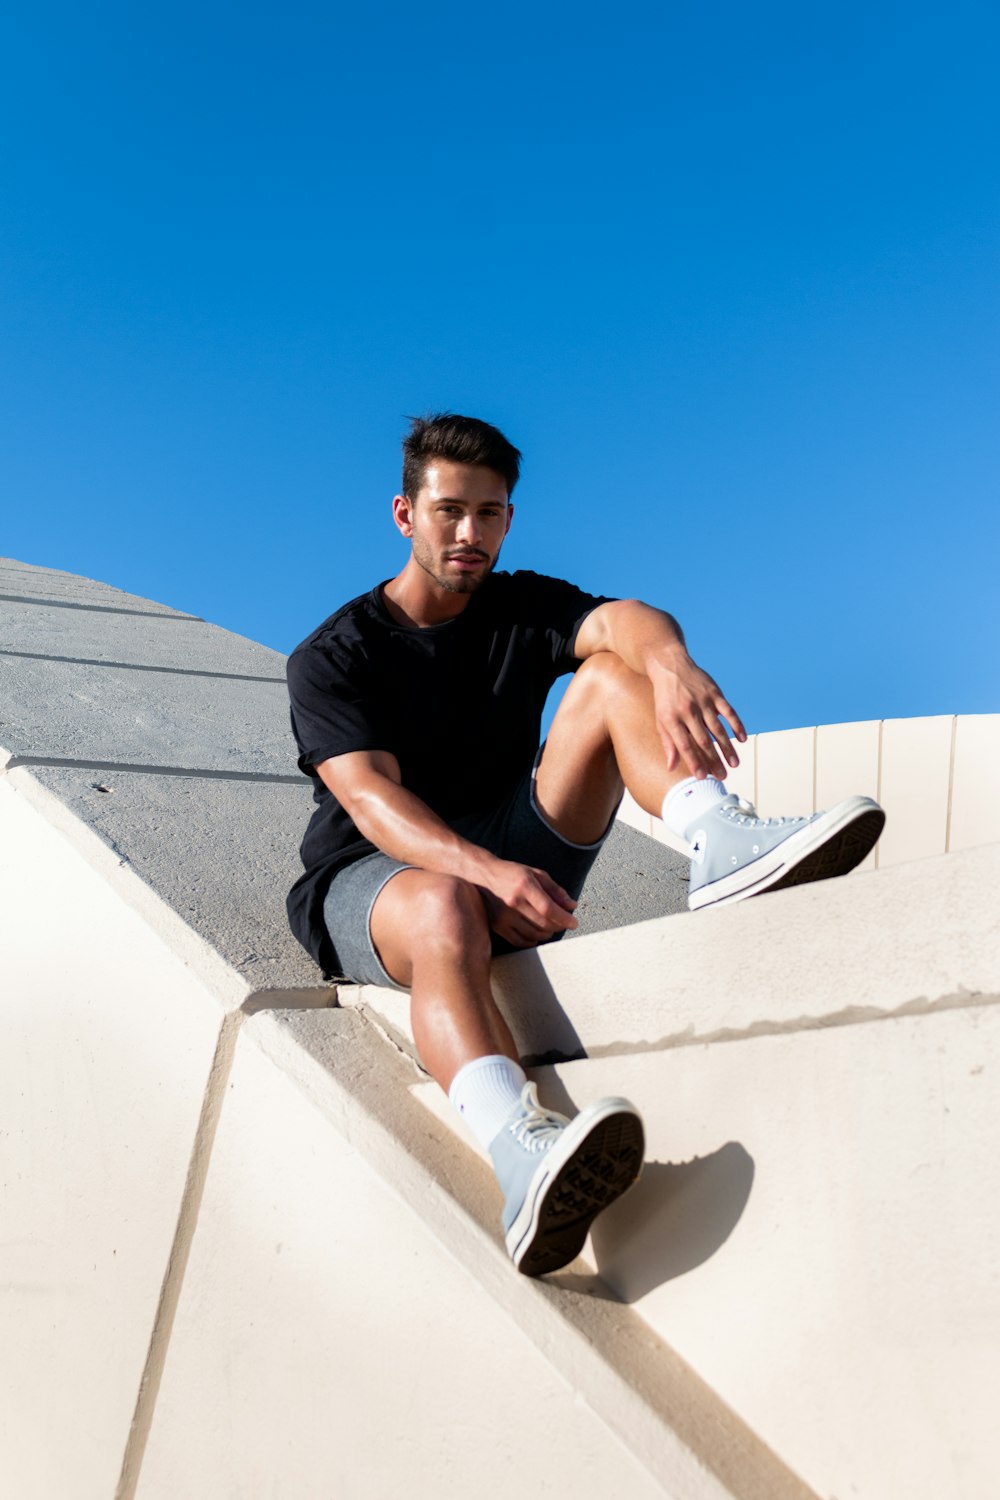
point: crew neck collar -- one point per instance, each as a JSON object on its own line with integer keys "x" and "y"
{"x": 386, "y": 615}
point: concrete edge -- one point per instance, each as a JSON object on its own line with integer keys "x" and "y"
{"x": 228, "y": 986}
{"x": 172, "y": 1285}
{"x": 657, "y": 1406}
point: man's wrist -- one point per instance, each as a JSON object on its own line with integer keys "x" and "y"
{"x": 476, "y": 865}
{"x": 665, "y": 657}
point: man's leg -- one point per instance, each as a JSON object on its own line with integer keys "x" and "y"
{"x": 432, "y": 936}
{"x": 604, "y": 736}
{"x": 431, "y": 933}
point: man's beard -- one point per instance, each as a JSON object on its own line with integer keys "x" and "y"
{"x": 454, "y": 583}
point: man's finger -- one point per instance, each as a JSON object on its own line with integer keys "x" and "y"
{"x": 543, "y": 910}
{"x": 554, "y": 889}
{"x": 521, "y": 933}
{"x": 723, "y": 741}
{"x": 543, "y": 915}
{"x": 731, "y": 716}
{"x": 690, "y": 752}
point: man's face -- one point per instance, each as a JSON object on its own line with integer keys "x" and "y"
{"x": 456, "y": 522}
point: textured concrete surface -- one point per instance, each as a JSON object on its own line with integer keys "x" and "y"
{"x": 25, "y": 581}
{"x": 87, "y": 713}
{"x": 76, "y": 683}
{"x": 222, "y": 853}
{"x": 162, "y": 643}
{"x": 633, "y": 878}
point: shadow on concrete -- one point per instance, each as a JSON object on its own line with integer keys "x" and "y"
{"x": 543, "y": 1032}
{"x": 675, "y": 1218}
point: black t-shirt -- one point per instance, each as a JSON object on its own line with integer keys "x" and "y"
{"x": 459, "y": 705}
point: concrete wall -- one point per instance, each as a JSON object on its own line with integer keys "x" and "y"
{"x": 231, "y": 1276}
{"x": 248, "y": 1251}
{"x": 811, "y": 1231}
{"x": 108, "y": 1044}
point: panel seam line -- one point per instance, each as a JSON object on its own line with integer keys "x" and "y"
{"x": 58, "y": 762}
{"x": 102, "y": 609}
{"x": 135, "y": 666}
{"x": 180, "y": 1250}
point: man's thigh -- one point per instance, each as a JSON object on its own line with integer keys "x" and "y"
{"x": 579, "y": 783}
{"x": 379, "y": 911}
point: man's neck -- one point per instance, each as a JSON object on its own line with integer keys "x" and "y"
{"x": 413, "y": 597}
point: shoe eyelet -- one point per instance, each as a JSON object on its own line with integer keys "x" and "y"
{"x": 756, "y": 848}
{"x": 735, "y": 860}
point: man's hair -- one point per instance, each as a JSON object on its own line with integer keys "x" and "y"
{"x": 462, "y": 440}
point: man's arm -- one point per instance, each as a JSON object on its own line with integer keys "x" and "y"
{"x": 525, "y": 905}
{"x": 688, "y": 704}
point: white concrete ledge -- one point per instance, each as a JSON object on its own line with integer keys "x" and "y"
{"x": 913, "y": 938}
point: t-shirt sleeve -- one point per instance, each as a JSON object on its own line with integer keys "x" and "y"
{"x": 335, "y": 704}
{"x": 561, "y": 609}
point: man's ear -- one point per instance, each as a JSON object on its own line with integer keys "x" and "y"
{"x": 510, "y": 517}
{"x": 402, "y": 513}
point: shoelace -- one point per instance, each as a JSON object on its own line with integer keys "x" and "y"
{"x": 746, "y": 814}
{"x": 534, "y": 1130}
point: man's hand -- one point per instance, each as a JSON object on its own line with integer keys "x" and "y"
{"x": 526, "y": 906}
{"x": 689, "y": 708}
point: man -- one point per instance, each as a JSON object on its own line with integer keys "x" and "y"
{"x": 442, "y": 835}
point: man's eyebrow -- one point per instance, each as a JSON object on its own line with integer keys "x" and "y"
{"x": 456, "y": 500}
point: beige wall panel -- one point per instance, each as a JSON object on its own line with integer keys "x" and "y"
{"x": 916, "y": 762}
{"x": 847, "y": 766}
{"x": 107, "y": 1047}
{"x": 975, "y": 791}
{"x": 811, "y": 1233}
{"x": 743, "y": 780}
{"x": 327, "y": 1345}
{"x": 785, "y": 773}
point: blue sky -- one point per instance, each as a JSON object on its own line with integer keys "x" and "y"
{"x": 727, "y": 274}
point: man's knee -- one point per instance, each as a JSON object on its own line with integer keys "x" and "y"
{"x": 601, "y": 677}
{"x": 447, "y": 916}
{"x": 598, "y": 685}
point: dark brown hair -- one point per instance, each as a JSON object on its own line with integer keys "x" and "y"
{"x": 462, "y": 440}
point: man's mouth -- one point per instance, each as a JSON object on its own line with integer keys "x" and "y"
{"x": 467, "y": 559}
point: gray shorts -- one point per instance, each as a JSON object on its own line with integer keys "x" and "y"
{"x": 515, "y": 830}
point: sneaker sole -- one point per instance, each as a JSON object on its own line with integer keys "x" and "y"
{"x": 598, "y": 1157}
{"x": 837, "y": 843}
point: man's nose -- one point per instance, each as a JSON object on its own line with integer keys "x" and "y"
{"x": 468, "y": 530}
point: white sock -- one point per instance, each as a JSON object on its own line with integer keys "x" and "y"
{"x": 485, "y": 1092}
{"x": 688, "y": 800}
